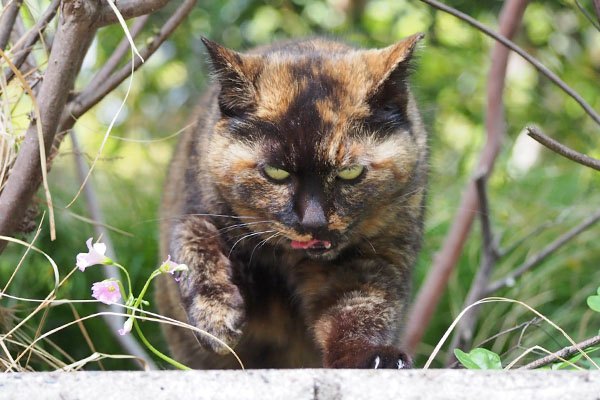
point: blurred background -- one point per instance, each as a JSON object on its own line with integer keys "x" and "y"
{"x": 529, "y": 186}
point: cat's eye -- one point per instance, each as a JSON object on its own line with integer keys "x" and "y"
{"x": 351, "y": 173}
{"x": 277, "y": 174}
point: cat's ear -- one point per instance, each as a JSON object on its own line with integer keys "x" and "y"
{"x": 391, "y": 67}
{"x": 236, "y": 74}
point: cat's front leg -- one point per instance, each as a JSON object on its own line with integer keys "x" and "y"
{"x": 211, "y": 300}
{"x": 358, "y": 315}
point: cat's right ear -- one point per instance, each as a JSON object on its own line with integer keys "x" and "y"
{"x": 236, "y": 73}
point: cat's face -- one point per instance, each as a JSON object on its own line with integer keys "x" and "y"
{"x": 316, "y": 141}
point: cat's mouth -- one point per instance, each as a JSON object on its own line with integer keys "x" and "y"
{"x": 313, "y": 245}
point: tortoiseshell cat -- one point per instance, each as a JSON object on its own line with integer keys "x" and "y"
{"x": 297, "y": 203}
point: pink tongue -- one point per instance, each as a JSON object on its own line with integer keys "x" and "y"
{"x": 307, "y": 245}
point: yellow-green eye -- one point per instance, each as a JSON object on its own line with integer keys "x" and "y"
{"x": 276, "y": 174}
{"x": 351, "y": 173}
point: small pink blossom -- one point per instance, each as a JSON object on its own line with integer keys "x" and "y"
{"x": 106, "y": 291}
{"x": 126, "y": 327}
{"x": 94, "y": 256}
{"x": 171, "y": 267}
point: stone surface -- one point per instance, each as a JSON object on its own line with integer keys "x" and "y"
{"x": 302, "y": 385}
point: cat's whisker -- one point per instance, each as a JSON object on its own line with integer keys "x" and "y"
{"x": 232, "y": 227}
{"x": 247, "y": 236}
{"x": 261, "y": 244}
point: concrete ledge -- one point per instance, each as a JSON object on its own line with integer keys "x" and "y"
{"x": 308, "y": 384}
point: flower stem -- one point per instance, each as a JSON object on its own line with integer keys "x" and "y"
{"x": 126, "y": 274}
{"x": 155, "y": 351}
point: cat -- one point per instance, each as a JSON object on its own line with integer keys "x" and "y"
{"x": 297, "y": 203}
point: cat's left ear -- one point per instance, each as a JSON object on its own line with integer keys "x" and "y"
{"x": 236, "y": 73}
{"x": 390, "y": 67}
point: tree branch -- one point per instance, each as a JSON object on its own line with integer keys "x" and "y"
{"x": 465, "y": 327}
{"x": 596, "y": 4}
{"x": 120, "y": 51}
{"x": 587, "y": 15}
{"x": 28, "y": 40}
{"x": 506, "y": 42}
{"x": 74, "y": 34}
{"x": 127, "y": 342}
{"x": 564, "y": 353}
{"x": 561, "y": 149}
{"x": 444, "y": 263}
{"x": 129, "y": 9}
{"x": 90, "y": 96}
{"x": 542, "y": 255}
{"x": 7, "y": 20}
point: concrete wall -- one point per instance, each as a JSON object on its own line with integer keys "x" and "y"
{"x": 303, "y": 385}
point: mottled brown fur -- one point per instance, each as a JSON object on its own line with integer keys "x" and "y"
{"x": 312, "y": 108}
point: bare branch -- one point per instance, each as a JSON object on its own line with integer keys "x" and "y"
{"x": 587, "y": 15}
{"x": 120, "y": 51}
{"x": 564, "y": 353}
{"x": 90, "y": 96}
{"x": 26, "y": 43}
{"x": 129, "y": 9}
{"x": 506, "y": 42}
{"x": 7, "y": 20}
{"x": 563, "y": 150}
{"x": 73, "y": 37}
{"x": 128, "y": 343}
{"x": 464, "y": 330}
{"x": 444, "y": 263}
{"x": 542, "y": 255}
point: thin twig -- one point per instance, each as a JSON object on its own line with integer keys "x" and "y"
{"x": 596, "y": 4}
{"x": 506, "y": 42}
{"x": 587, "y": 15}
{"x": 128, "y": 343}
{"x": 542, "y": 255}
{"x": 561, "y": 149}
{"x": 90, "y": 96}
{"x": 464, "y": 330}
{"x": 129, "y": 9}
{"x": 120, "y": 51}
{"x": 446, "y": 260}
{"x": 7, "y": 20}
{"x": 564, "y": 353}
{"x": 31, "y": 37}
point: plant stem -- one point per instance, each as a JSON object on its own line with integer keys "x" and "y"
{"x": 156, "y": 351}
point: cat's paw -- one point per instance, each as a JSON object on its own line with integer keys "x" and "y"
{"x": 222, "y": 315}
{"x": 372, "y": 357}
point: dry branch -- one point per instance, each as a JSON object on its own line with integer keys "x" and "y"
{"x": 542, "y": 255}
{"x": 25, "y": 44}
{"x": 73, "y": 37}
{"x": 564, "y": 353}
{"x": 464, "y": 329}
{"x": 563, "y": 150}
{"x": 119, "y": 53}
{"x": 7, "y": 20}
{"x": 509, "y": 44}
{"x": 445, "y": 261}
{"x": 129, "y": 9}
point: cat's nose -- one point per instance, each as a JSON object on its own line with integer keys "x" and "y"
{"x": 313, "y": 217}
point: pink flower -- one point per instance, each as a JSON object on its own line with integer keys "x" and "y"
{"x": 171, "y": 267}
{"x": 106, "y": 291}
{"x": 94, "y": 256}
{"x": 126, "y": 327}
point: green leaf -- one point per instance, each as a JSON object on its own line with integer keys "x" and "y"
{"x": 594, "y": 303}
{"x": 598, "y": 291}
{"x": 465, "y": 359}
{"x": 479, "y": 359}
{"x": 486, "y": 359}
